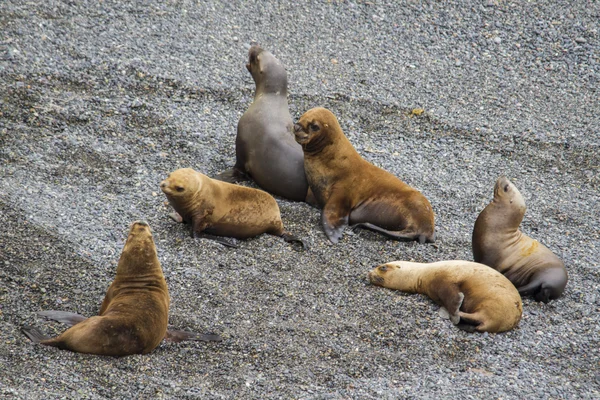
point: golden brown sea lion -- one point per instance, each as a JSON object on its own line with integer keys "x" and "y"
{"x": 472, "y": 295}
{"x": 219, "y": 208}
{"x": 353, "y": 191}
{"x": 134, "y": 314}
{"x": 265, "y": 148}
{"x": 498, "y": 242}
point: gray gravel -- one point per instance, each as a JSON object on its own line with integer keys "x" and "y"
{"x": 100, "y": 100}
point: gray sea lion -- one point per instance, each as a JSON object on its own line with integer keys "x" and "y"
{"x": 134, "y": 314}
{"x": 264, "y": 146}
{"x": 472, "y": 295}
{"x": 498, "y": 242}
{"x": 352, "y": 191}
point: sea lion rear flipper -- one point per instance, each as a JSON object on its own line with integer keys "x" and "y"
{"x": 468, "y": 322}
{"x": 180, "y": 336}
{"x": 232, "y": 175}
{"x": 289, "y": 238}
{"x": 65, "y": 317}
{"x": 34, "y": 334}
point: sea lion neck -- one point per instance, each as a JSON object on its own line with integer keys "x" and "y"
{"x": 139, "y": 257}
{"x": 317, "y": 145}
{"x": 272, "y": 82}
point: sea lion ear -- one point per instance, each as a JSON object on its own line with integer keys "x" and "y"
{"x": 326, "y": 125}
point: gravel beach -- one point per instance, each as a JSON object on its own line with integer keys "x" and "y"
{"x": 100, "y": 100}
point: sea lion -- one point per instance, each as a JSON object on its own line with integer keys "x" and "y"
{"x": 498, "y": 242}
{"x": 134, "y": 314}
{"x": 474, "y": 296}
{"x": 218, "y": 208}
{"x": 264, "y": 146}
{"x": 353, "y": 191}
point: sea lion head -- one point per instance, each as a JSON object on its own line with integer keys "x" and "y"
{"x": 377, "y": 275}
{"x": 139, "y": 254}
{"x": 316, "y": 129}
{"x": 267, "y": 71}
{"x": 505, "y": 193}
{"x": 180, "y": 183}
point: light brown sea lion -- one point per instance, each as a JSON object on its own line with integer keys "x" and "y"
{"x": 472, "y": 295}
{"x": 353, "y": 191}
{"x": 218, "y": 208}
{"x": 265, "y": 148}
{"x": 134, "y": 314}
{"x": 498, "y": 242}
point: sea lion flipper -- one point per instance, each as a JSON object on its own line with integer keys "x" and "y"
{"x": 228, "y": 242}
{"x": 176, "y": 217}
{"x": 450, "y": 298}
{"x": 65, "y": 317}
{"x": 34, "y": 334}
{"x": 232, "y": 175}
{"x": 289, "y": 238}
{"x": 333, "y": 223}
{"x": 469, "y": 322}
{"x": 398, "y": 235}
{"x": 177, "y": 336}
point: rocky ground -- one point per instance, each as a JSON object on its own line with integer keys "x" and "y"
{"x": 100, "y": 100}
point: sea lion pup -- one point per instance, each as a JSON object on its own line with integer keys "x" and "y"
{"x": 472, "y": 295}
{"x": 498, "y": 242}
{"x": 218, "y": 208}
{"x": 265, "y": 148}
{"x": 353, "y": 191}
{"x": 134, "y": 314}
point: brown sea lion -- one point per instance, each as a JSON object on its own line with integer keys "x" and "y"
{"x": 498, "y": 242}
{"x": 264, "y": 146}
{"x": 134, "y": 314}
{"x": 214, "y": 208}
{"x": 472, "y": 295}
{"x": 352, "y": 191}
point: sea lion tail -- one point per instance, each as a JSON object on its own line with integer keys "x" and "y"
{"x": 288, "y": 237}
{"x": 34, "y": 334}
{"x": 180, "y": 336}
{"x": 231, "y": 175}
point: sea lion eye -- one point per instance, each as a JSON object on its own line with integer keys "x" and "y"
{"x": 314, "y": 127}
{"x": 383, "y": 268}
{"x": 506, "y": 188}
{"x": 179, "y": 188}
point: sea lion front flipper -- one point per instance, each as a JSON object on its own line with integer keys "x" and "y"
{"x": 180, "y": 336}
{"x": 449, "y": 297}
{"x": 398, "y": 235}
{"x": 334, "y": 219}
{"x": 34, "y": 334}
{"x": 289, "y": 238}
{"x": 65, "y": 317}
{"x": 176, "y": 217}
{"x": 228, "y": 242}
{"x": 232, "y": 175}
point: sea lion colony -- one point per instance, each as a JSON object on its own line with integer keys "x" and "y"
{"x": 313, "y": 161}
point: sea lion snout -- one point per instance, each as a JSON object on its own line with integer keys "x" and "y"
{"x": 375, "y": 278}
{"x": 299, "y": 133}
